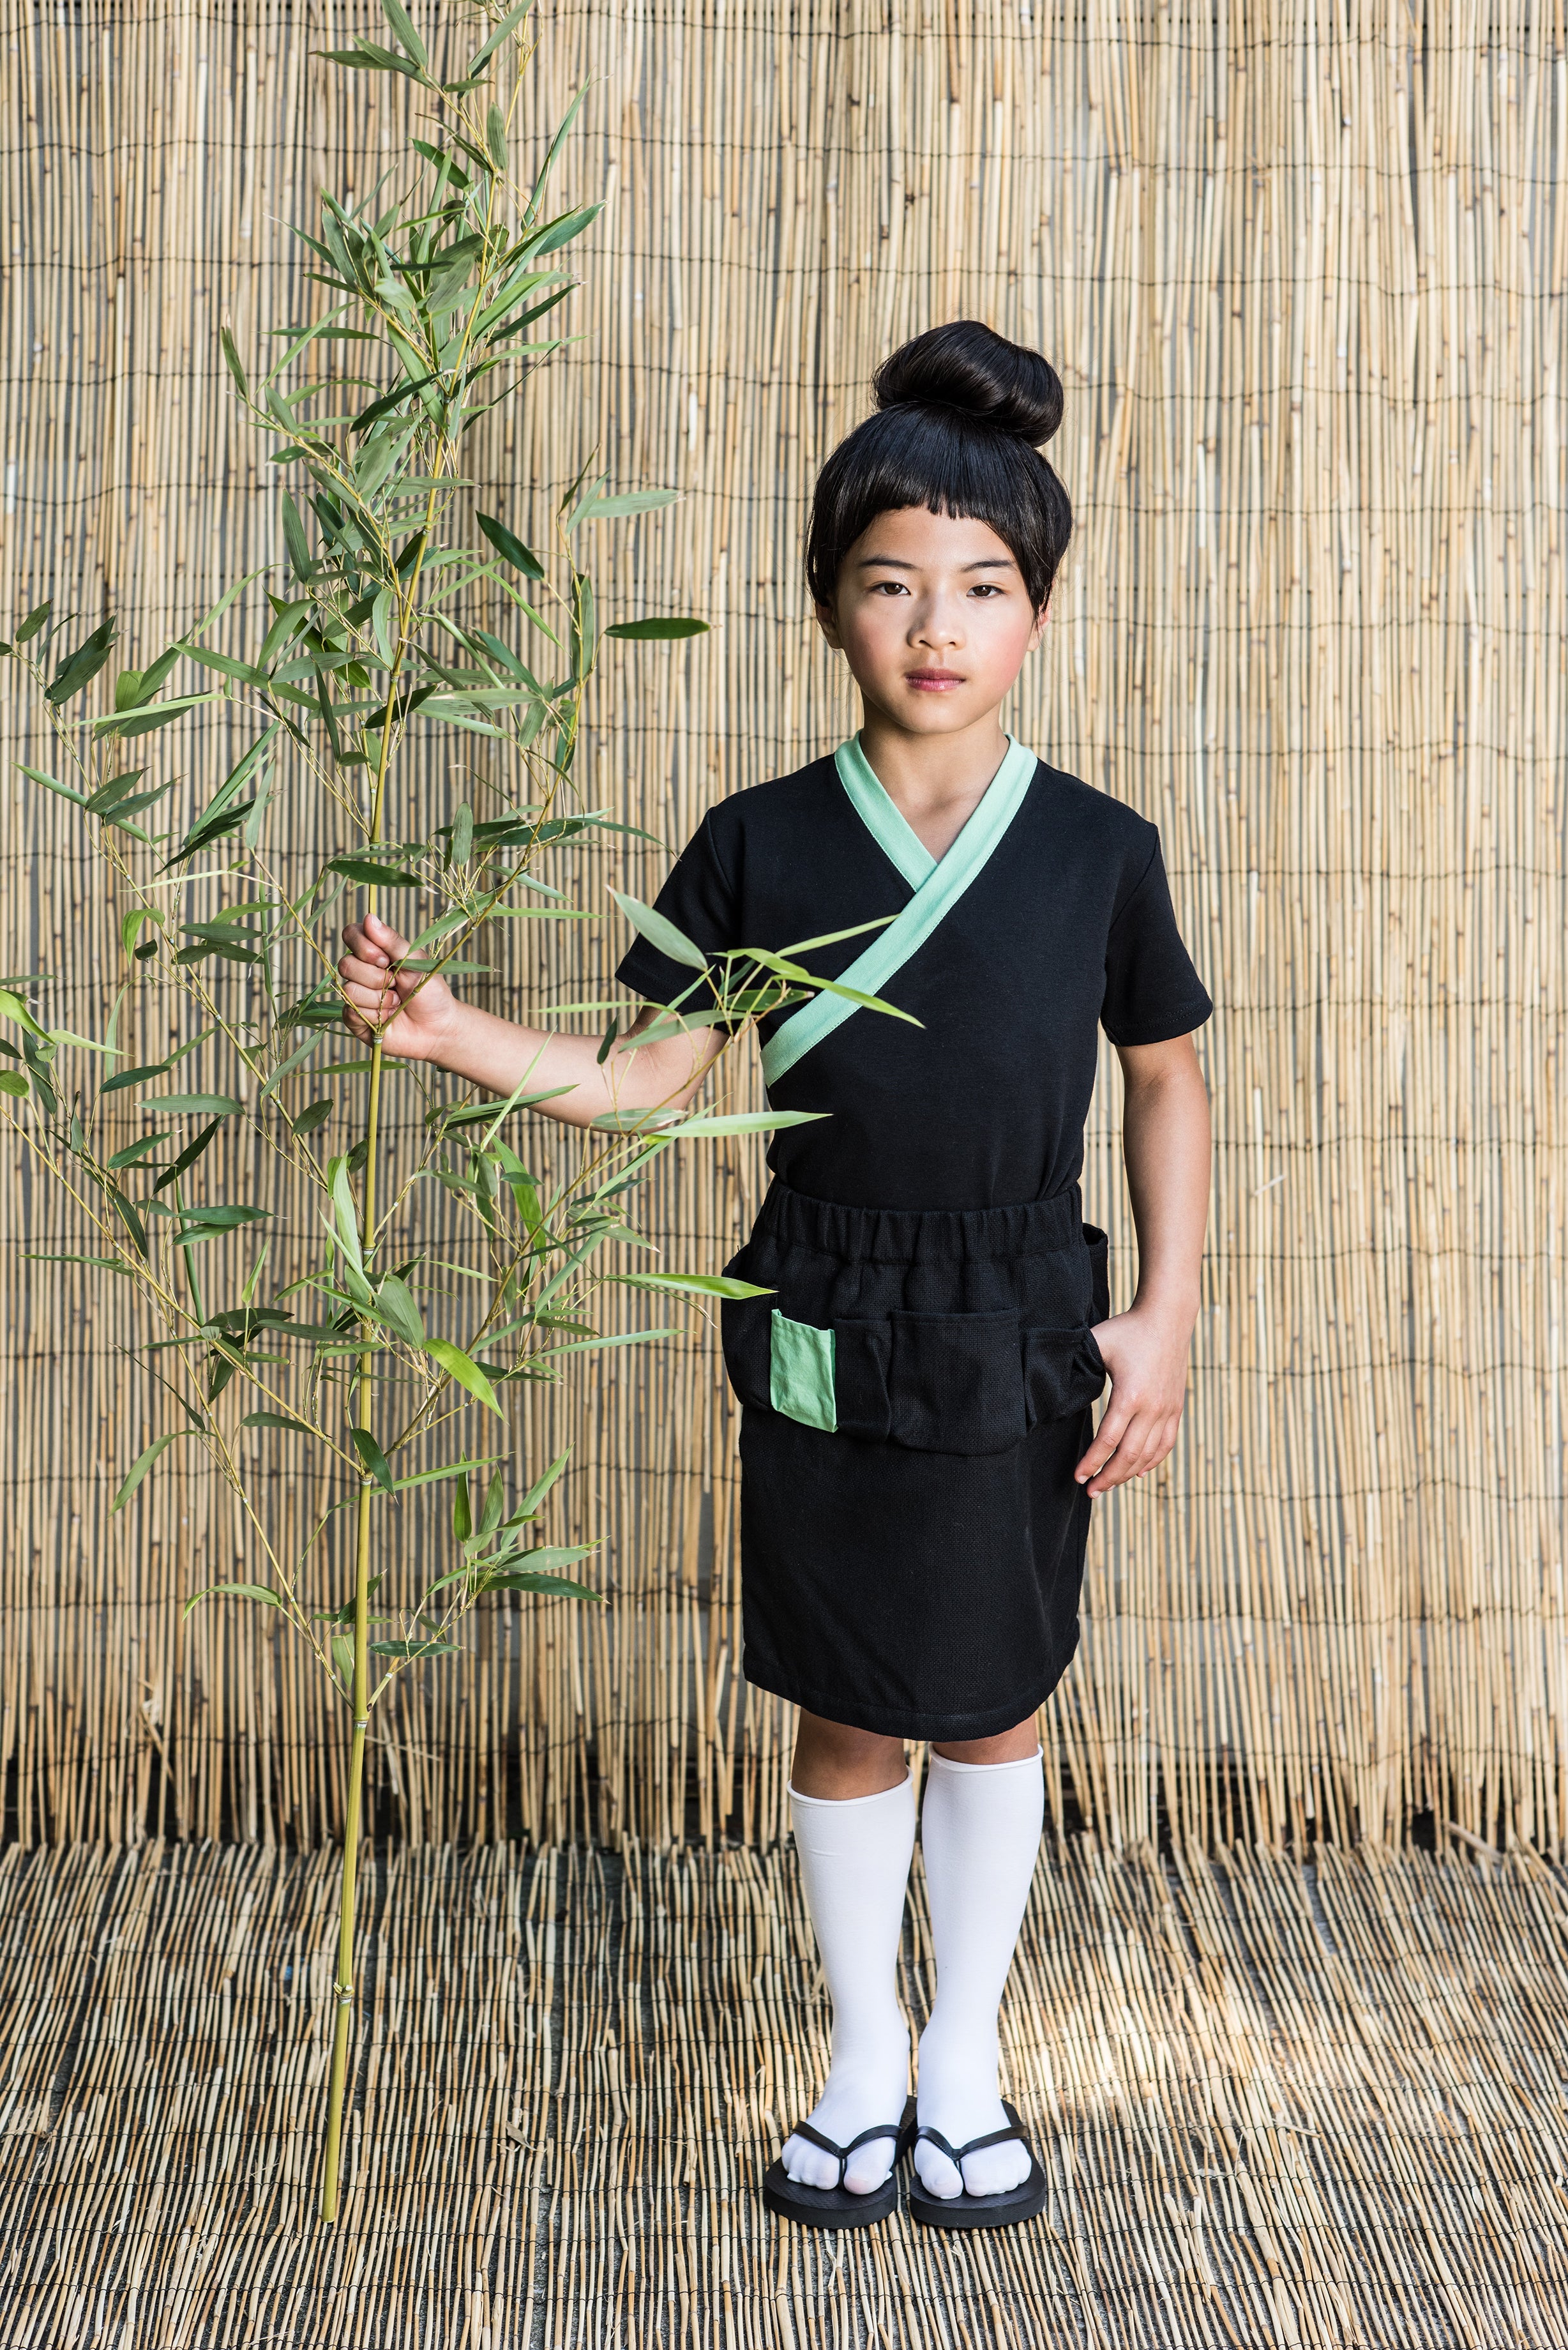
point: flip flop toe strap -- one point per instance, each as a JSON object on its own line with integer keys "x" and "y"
{"x": 841, "y": 2153}
{"x": 955, "y": 2154}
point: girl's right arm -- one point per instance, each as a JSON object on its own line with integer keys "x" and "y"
{"x": 429, "y": 1022}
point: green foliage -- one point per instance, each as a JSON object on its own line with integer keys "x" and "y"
{"x": 399, "y": 606}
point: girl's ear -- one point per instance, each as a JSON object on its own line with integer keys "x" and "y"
{"x": 828, "y": 621}
{"x": 1038, "y": 630}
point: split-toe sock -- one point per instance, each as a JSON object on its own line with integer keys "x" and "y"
{"x": 854, "y": 1868}
{"x": 979, "y": 1834}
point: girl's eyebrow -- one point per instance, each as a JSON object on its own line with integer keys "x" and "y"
{"x": 895, "y": 563}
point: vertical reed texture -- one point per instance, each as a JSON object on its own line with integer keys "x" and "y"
{"x": 1302, "y": 271}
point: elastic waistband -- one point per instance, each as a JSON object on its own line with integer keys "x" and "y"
{"x": 919, "y": 1235}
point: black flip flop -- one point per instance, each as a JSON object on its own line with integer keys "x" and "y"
{"x": 836, "y": 2207}
{"x": 967, "y": 2210}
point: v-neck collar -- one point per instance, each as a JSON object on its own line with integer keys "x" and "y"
{"x": 942, "y": 882}
{"x": 890, "y": 828}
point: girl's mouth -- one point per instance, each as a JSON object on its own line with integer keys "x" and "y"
{"x": 933, "y": 681}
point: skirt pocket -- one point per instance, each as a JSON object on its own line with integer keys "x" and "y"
{"x": 1063, "y": 1371}
{"x": 955, "y": 1382}
{"x": 743, "y": 1325}
{"x": 1099, "y": 1249}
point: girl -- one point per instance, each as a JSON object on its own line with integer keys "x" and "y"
{"x": 918, "y": 1446}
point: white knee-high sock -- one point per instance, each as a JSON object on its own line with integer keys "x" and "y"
{"x": 980, "y": 1832}
{"x": 854, "y": 1867}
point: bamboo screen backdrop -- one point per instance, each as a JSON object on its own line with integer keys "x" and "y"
{"x": 1302, "y": 271}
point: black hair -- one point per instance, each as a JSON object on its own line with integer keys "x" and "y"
{"x": 961, "y": 413}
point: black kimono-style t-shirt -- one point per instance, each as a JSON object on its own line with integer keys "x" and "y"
{"x": 1068, "y": 924}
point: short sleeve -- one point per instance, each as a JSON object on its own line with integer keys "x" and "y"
{"x": 698, "y": 898}
{"x": 1152, "y": 990}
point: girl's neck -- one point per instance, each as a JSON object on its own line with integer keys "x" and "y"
{"x": 935, "y": 781}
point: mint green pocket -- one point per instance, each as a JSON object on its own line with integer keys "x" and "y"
{"x": 800, "y": 1373}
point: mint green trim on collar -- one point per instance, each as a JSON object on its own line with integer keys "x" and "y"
{"x": 886, "y": 822}
{"x": 935, "y": 897}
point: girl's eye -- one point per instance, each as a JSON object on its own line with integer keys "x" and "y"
{"x": 987, "y": 587}
{"x": 893, "y": 587}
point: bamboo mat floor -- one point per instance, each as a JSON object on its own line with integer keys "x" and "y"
{"x": 1277, "y": 2105}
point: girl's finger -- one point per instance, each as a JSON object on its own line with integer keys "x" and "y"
{"x": 393, "y": 942}
{"x": 363, "y": 974}
{"x": 1108, "y": 1440}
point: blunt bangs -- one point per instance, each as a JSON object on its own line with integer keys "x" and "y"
{"x": 924, "y": 455}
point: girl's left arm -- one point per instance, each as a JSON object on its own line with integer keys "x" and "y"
{"x": 1165, "y": 1141}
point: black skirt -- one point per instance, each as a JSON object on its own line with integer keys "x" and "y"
{"x": 916, "y": 1393}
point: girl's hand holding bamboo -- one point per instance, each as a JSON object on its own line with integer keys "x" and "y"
{"x": 412, "y": 1020}
{"x": 418, "y": 1018}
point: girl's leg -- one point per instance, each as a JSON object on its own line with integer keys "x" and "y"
{"x": 852, "y": 1806}
{"x": 980, "y": 1832}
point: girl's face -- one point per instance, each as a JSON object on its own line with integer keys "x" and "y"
{"x": 933, "y": 618}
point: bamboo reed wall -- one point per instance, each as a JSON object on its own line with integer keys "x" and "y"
{"x": 1302, "y": 272}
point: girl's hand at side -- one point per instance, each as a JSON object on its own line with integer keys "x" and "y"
{"x": 413, "y": 1013}
{"x": 1145, "y": 1355}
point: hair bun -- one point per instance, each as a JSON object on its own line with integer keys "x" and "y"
{"x": 968, "y": 367}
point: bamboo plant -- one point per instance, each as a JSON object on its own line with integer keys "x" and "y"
{"x": 404, "y": 607}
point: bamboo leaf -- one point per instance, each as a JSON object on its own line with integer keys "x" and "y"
{"x": 547, "y": 1586}
{"x": 509, "y": 24}
{"x": 231, "y": 359}
{"x": 257, "y": 1591}
{"x": 372, "y": 1459}
{"x": 710, "y": 1284}
{"x": 148, "y": 721}
{"x": 632, "y": 501}
{"x": 82, "y": 1043}
{"x": 395, "y": 1304}
{"x": 562, "y": 129}
{"x": 660, "y": 932}
{"x": 371, "y": 875}
{"x": 204, "y": 1223}
{"x": 562, "y": 229}
{"x": 207, "y": 829}
{"x": 494, "y": 1503}
{"x": 347, "y": 1221}
{"x": 506, "y": 543}
{"x": 277, "y": 1419}
{"x": 594, "y": 1345}
{"x": 36, "y": 776}
{"x": 653, "y": 631}
{"x": 51, "y": 1256}
{"x": 751, "y": 1121}
{"x": 495, "y": 136}
{"x": 154, "y": 1453}
{"x": 34, "y": 621}
{"x": 13, "y": 1008}
{"x": 529, "y": 1504}
{"x": 366, "y": 57}
{"x": 294, "y": 534}
{"x": 79, "y": 668}
{"x": 402, "y": 26}
{"x": 197, "y": 1105}
{"x": 465, "y": 1371}
{"x": 134, "y": 1152}
{"x": 414, "y": 1648}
